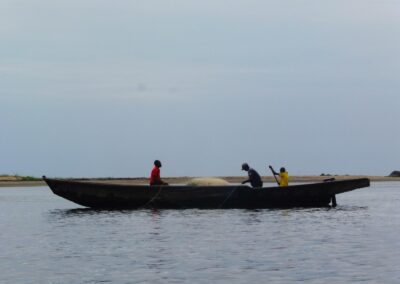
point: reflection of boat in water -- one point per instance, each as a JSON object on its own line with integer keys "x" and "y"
{"x": 111, "y": 195}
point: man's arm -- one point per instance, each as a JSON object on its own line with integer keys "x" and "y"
{"x": 273, "y": 171}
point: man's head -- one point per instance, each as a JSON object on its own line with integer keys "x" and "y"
{"x": 245, "y": 167}
{"x": 157, "y": 163}
{"x": 283, "y": 170}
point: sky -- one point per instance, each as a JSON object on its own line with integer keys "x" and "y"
{"x": 101, "y": 88}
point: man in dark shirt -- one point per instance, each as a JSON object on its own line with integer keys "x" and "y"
{"x": 254, "y": 177}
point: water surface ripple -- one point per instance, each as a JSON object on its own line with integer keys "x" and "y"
{"x": 46, "y": 239}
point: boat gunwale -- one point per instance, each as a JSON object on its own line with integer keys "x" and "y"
{"x": 185, "y": 187}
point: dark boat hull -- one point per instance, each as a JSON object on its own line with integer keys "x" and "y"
{"x": 116, "y": 196}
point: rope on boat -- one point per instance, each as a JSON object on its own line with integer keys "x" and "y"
{"x": 153, "y": 198}
{"x": 229, "y": 195}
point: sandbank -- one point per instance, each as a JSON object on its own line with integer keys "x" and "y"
{"x": 14, "y": 182}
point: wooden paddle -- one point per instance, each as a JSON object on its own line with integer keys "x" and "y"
{"x": 273, "y": 173}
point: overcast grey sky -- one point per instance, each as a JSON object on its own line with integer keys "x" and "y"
{"x": 102, "y": 88}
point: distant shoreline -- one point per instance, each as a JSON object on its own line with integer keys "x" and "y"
{"x": 9, "y": 182}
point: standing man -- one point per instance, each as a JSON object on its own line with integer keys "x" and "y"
{"x": 254, "y": 177}
{"x": 283, "y": 175}
{"x": 155, "y": 178}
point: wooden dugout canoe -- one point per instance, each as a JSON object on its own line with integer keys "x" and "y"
{"x": 120, "y": 196}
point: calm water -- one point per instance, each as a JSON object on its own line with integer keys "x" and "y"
{"x": 45, "y": 239}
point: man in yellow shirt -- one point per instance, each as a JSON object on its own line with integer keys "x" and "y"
{"x": 283, "y": 175}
